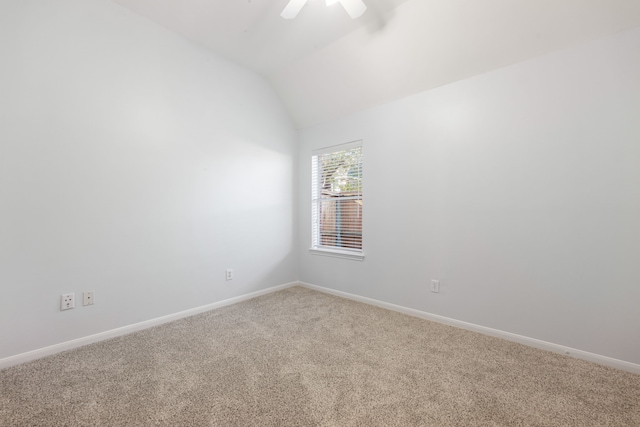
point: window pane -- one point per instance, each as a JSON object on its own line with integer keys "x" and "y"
{"x": 341, "y": 223}
{"x": 337, "y": 199}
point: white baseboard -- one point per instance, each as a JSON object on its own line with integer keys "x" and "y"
{"x": 531, "y": 342}
{"x": 68, "y": 345}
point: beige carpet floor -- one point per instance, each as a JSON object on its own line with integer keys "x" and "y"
{"x": 303, "y": 358}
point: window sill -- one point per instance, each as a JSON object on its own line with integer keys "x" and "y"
{"x": 356, "y": 256}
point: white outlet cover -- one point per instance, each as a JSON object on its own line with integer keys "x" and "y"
{"x": 435, "y": 286}
{"x": 67, "y": 301}
{"x": 87, "y": 298}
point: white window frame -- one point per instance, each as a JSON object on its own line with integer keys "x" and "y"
{"x": 316, "y": 248}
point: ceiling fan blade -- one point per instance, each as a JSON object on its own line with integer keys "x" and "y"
{"x": 355, "y": 8}
{"x": 292, "y": 9}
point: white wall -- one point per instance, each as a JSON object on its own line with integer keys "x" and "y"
{"x": 135, "y": 164}
{"x": 518, "y": 189}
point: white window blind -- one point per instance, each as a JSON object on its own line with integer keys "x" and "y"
{"x": 337, "y": 198}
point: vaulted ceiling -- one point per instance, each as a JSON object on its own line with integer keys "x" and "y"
{"x": 324, "y": 65}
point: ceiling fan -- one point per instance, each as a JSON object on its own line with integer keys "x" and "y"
{"x": 355, "y": 8}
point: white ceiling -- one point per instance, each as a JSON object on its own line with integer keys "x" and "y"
{"x": 251, "y": 32}
{"x": 324, "y": 65}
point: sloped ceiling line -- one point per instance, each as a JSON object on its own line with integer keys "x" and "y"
{"x": 324, "y": 65}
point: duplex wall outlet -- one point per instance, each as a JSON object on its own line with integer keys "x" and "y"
{"x": 67, "y": 301}
{"x": 435, "y": 286}
{"x": 87, "y": 298}
{"x": 229, "y": 274}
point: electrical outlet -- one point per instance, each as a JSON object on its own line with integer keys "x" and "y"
{"x": 229, "y": 274}
{"x": 67, "y": 301}
{"x": 435, "y": 286}
{"x": 87, "y": 298}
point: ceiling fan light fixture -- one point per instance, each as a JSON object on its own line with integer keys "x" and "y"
{"x": 292, "y": 9}
{"x": 355, "y": 8}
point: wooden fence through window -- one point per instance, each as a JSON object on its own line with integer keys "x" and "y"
{"x": 341, "y": 220}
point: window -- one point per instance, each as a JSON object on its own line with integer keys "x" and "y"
{"x": 336, "y": 201}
